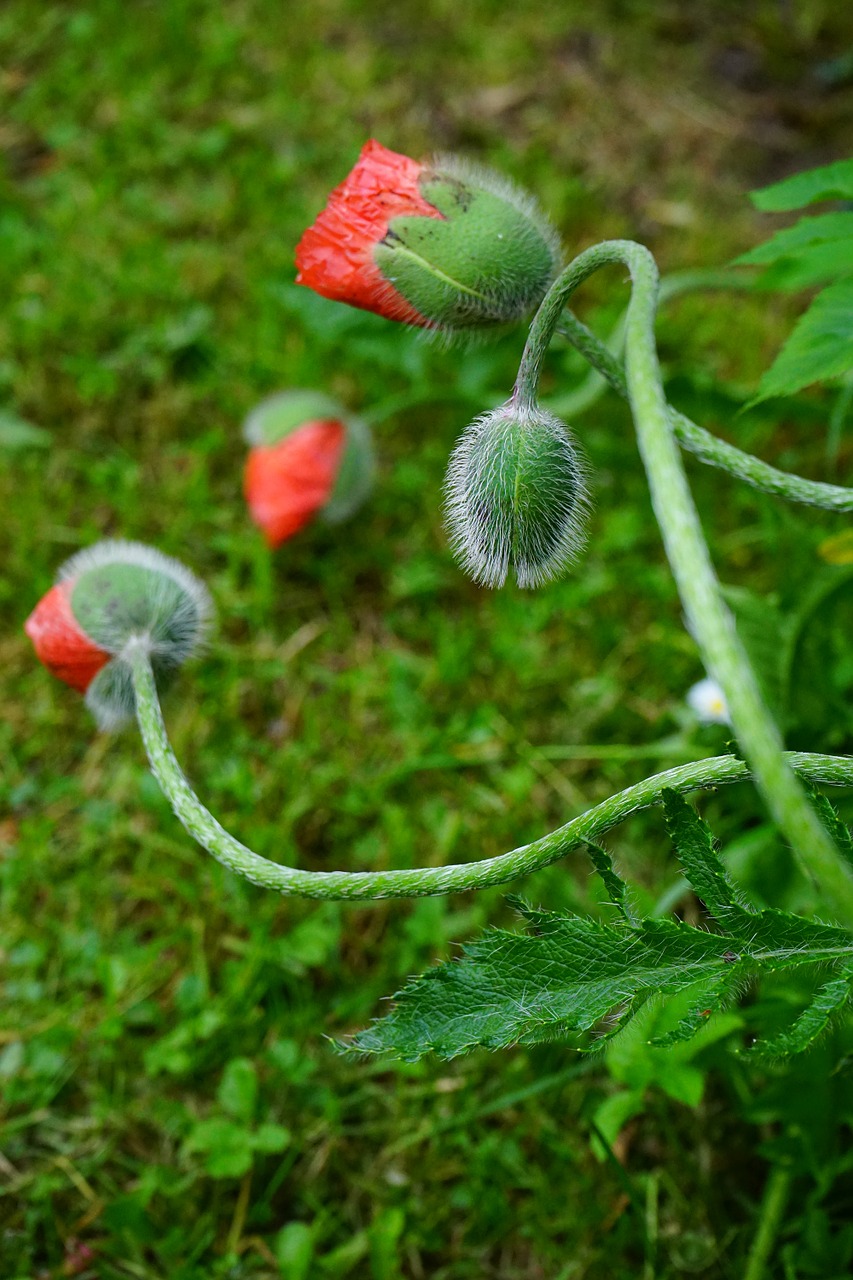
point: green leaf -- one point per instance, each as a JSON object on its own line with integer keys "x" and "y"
{"x": 813, "y": 264}
{"x": 294, "y": 1250}
{"x": 820, "y": 346}
{"x": 227, "y": 1145}
{"x": 229, "y": 1162}
{"x": 705, "y": 873}
{"x": 569, "y": 974}
{"x": 812, "y": 1022}
{"x": 829, "y": 182}
{"x": 238, "y": 1089}
{"x": 839, "y": 830}
{"x": 809, "y": 231}
{"x": 706, "y": 1000}
{"x": 270, "y": 1138}
{"x": 614, "y": 884}
{"x": 612, "y": 1115}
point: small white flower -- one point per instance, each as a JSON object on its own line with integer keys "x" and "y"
{"x": 707, "y": 700}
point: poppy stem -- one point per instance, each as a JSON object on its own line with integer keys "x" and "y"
{"x": 708, "y": 618}
{"x": 701, "y": 443}
{"x": 422, "y": 882}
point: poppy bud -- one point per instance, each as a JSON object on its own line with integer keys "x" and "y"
{"x": 308, "y": 458}
{"x": 516, "y": 497}
{"x": 445, "y": 245}
{"x": 105, "y": 596}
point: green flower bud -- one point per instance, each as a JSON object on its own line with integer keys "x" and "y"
{"x": 488, "y": 260}
{"x": 516, "y": 497}
{"x": 444, "y": 244}
{"x": 106, "y": 597}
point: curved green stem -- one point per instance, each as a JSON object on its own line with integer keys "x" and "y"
{"x": 708, "y": 618}
{"x": 706, "y": 447}
{"x": 678, "y": 283}
{"x": 427, "y": 881}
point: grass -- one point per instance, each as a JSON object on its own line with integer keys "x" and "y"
{"x": 362, "y": 704}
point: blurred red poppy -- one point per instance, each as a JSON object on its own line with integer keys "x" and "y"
{"x": 287, "y": 483}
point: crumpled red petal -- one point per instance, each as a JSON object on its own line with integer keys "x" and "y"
{"x": 335, "y": 255}
{"x": 287, "y": 483}
{"x": 59, "y": 643}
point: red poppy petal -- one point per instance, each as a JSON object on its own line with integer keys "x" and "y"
{"x": 59, "y": 643}
{"x": 287, "y": 483}
{"x": 335, "y": 255}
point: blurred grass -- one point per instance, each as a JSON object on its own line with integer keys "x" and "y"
{"x": 361, "y": 705}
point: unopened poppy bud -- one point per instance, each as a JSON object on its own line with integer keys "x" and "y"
{"x": 445, "y": 245}
{"x": 308, "y": 458}
{"x": 516, "y": 497}
{"x": 105, "y": 597}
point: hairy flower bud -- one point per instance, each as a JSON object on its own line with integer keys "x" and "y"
{"x": 445, "y": 245}
{"x": 106, "y": 596}
{"x": 308, "y": 458}
{"x": 516, "y": 497}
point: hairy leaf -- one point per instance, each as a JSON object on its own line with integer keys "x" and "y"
{"x": 617, "y": 890}
{"x": 571, "y": 975}
{"x": 839, "y": 830}
{"x": 705, "y": 873}
{"x": 812, "y": 1022}
{"x": 829, "y": 182}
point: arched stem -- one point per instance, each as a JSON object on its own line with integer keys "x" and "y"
{"x": 702, "y": 444}
{"x": 709, "y": 620}
{"x": 421, "y": 882}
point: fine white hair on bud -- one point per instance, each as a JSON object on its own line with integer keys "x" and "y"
{"x": 516, "y": 497}
{"x": 126, "y": 592}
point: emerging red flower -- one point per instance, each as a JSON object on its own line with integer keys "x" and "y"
{"x": 288, "y": 482}
{"x": 335, "y": 255}
{"x": 59, "y": 642}
{"x": 444, "y": 245}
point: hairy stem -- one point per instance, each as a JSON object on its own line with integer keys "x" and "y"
{"x": 566, "y": 404}
{"x": 708, "y": 618}
{"x": 706, "y": 447}
{"x": 428, "y": 881}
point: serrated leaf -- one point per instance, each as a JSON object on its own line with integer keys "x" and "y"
{"x": 812, "y": 265}
{"x": 615, "y": 886}
{"x": 839, "y": 830}
{"x": 809, "y": 231}
{"x": 571, "y": 973}
{"x": 707, "y": 1000}
{"x": 811, "y": 1023}
{"x": 694, "y": 843}
{"x": 829, "y": 182}
{"x": 820, "y": 346}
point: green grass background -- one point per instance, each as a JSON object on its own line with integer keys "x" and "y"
{"x": 362, "y": 705}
